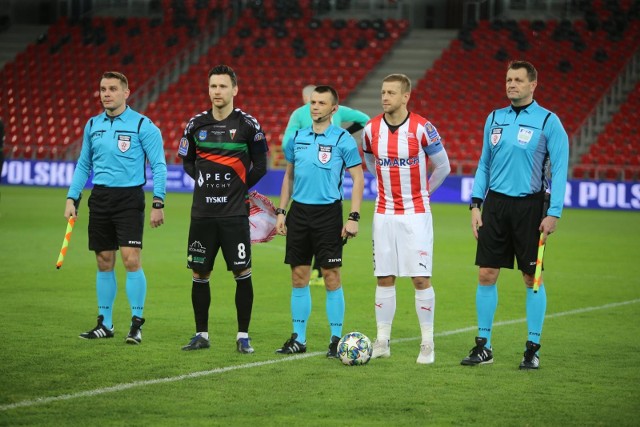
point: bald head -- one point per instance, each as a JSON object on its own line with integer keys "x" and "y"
{"x": 306, "y": 93}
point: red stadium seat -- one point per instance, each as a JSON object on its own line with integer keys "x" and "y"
{"x": 16, "y": 152}
{"x": 42, "y": 153}
{"x": 27, "y": 152}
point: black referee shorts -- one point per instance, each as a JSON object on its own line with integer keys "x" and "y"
{"x": 314, "y": 230}
{"x": 510, "y": 229}
{"x": 116, "y": 217}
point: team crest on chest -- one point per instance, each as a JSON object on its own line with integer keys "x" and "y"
{"x": 232, "y": 132}
{"x": 124, "y": 143}
{"x": 496, "y": 134}
{"x": 202, "y": 135}
{"x": 324, "y": 153}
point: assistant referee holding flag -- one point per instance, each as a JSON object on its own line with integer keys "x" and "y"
{"x": 522, "y": 144}
{"x": 116, "y": 145}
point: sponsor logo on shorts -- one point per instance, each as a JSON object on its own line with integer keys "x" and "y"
{"x": 135, "y": 242}
{"x": 197, "y": 247}
{"x": 424, "y": 255}
{"x": 196, "y": 259}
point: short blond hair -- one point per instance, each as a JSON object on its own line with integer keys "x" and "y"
{"x": 405, "y": 81}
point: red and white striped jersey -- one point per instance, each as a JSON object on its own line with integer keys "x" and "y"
{"x": 401, "y": 163}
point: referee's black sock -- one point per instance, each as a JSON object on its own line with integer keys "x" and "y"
{"x": 244, "y": 301}
{"x": 201, "y": 299}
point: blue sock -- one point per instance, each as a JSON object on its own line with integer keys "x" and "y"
{"x": 486, "y": 304}
{"x": 536, "y": 309}
{"x": 300, "y": 311}
{"x": 136, "y": 291}
{"x": 335, "y": 311}
{"x": 106, "y": 288}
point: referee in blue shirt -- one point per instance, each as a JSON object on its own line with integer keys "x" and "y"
{"x": 115, "y": 146}
{"x": 317, "y": 157}
{"x": 523, "y": 143}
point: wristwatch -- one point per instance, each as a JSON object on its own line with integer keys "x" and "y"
{"x": 157, "y": 205}
{"x": 474, "y": 205}
{"x": 354, "y": 216}
{"x": 281, "y": 211}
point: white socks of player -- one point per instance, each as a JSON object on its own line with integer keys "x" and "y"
{"x": 425, "y": 308}
{"x": 385, "y": 310}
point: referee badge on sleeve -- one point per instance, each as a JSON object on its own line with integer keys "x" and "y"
{"x": 324, "y": 153}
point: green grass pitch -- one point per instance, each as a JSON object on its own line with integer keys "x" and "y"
{"x": 590, "y": 356}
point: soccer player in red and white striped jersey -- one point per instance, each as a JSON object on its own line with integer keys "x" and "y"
{"x": 397, "y": 146}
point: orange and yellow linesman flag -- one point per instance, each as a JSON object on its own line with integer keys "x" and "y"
{"x": 538, "y": 274}
{"x": 67, "y": 234}
{"x": 65, "y": 242}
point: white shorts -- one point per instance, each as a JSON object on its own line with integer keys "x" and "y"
{"x": 402, "y": 245}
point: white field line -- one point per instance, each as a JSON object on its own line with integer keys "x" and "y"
{"x": 284, "y": 359}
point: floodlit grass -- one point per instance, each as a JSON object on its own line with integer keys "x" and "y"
{"x": 589, "y": 358}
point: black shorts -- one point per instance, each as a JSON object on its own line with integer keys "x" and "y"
{"x": 510, "y": 229}
{"x": 314, "y": 230}
{"x": 208, "y": 235}
{"x": 116, "y": 218}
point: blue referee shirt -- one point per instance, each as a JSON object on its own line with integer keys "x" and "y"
{"x": 319, "y": 162}
{"x": 116, "y": 151}
{"x": 517, "y": 153}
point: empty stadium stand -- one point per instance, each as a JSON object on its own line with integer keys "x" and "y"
{"x": 275, "y": 56}
{"x": 467, "y": 82}
{"x": 50, "y": 89}
{"x": 616, "y": 153}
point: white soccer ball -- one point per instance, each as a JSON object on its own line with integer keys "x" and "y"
{"x": 354, "y": 349}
